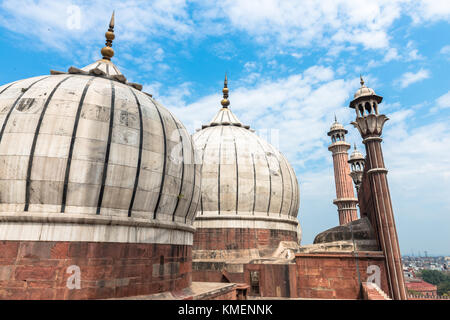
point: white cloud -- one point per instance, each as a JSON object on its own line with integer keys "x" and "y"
{"x": 311, "y": 22}
{"x": 445, "y": 50}
{"x": 391, "y": 54}
{"x": 443, "y": 101}
{"x": 295, "y": 105}
{"x": 410, "y": 77}
{"x": 326, "y": 23}
{"x": 250, "y": 66}
{"x": 418, "y": 161}
{"x": 56, "y": 24}
{"x": 428, "y": 10}
{"x": 302, "y": 108}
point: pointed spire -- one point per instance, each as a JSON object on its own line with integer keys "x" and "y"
{"x": 335, "y": 118}
{"x": 225, "y": 102}
{"x": 355, "y": 146}
{"x": 108, "y": 52}
{"x": 361, "y": 80}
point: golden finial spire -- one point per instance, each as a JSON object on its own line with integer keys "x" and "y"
{"x": 361, "y": 80}
{"x": 225, "y": 102}
{"x": 108, "y": 52}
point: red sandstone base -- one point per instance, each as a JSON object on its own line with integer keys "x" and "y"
{"x": 312, "y": 276}
{"x": 243, "y": 238}
{"x": 335, "y": 275}
{"x": 39, "y": 270}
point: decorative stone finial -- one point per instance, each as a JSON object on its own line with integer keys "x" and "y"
{"x": 361, "y": 80}
{"x": 225, "y": 102}
{"x": 108, "y": 52}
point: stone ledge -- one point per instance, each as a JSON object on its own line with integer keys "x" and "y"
{"x": 197, "y": 291}
{"x": 350, "y": 254}
{"x": 89, "y": 219}
{"x": 239, "y": 222}
{"x": 88, "y": 228}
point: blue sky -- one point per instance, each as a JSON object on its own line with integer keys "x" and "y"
{"x": 291, "y": 66}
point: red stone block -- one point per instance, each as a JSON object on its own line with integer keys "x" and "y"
{"x": 59, "y": 250}
{"x": 348, "y": 293}
{"x": 332, "y": 272}
{"x": 35, "y": 273}
{"x": 40, "y": 294}
{"x": 113, "y": 250}
{"x": 40, "y": 284}
{"x": 78, "y": 250}
{"x": 99, "y": 261}
{"x": 13, "y": 284}
{"x": 96, "y": 272}
{"x": 322, "y": 294}
{"x": 8, "y": 249}
{"x": 7, "y": 261}
{"x": 104, "y": 293}
{"x": 80, "y": 294}
{"x": 35, "y": 250}
{"x": 13, "y": 294}
{"x": 344, "y": 283}
{"x": 38, "y": 262}
{"x": 349, "y": 273}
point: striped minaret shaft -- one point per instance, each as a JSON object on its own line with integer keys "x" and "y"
{"x": 369, "y": 123}
{"x": 345, "y": 196}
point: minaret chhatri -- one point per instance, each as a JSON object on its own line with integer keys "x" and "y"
{"x": 345, "y": 196}
{"x": 370, "y": 125}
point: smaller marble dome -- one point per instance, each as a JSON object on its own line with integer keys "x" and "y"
{"x": 337, "y": 129}
{"x": 249, "y": 192}
{"x": 363, "y": 91}
{"x": 356, "y": 155}
{"x": 241, "y": 173}
{"x": 336, "y": 126}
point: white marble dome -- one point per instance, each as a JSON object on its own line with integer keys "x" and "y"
{"x": 242, "y": 174}
{"x": 356, "y": 155}
{"x": 336, "y": 126}
{"x": 363, "y": 91}
{"x": 88, "y": 142}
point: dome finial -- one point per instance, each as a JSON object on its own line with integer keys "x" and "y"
{"x": 108, "y": 52}
{"x": 335, "y": 118}
{"x": 354, "y": 145}
{"x": 225, "y": 102}
{"x": 361, "y": 80}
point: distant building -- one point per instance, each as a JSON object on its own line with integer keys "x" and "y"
{"x": 421, "y": 287}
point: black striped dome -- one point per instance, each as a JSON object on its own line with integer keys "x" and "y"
{"x": 89, "y": 144}
{"x": 241, "y": 173}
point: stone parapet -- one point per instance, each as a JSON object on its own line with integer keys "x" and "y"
{"x": 31, "y": 226}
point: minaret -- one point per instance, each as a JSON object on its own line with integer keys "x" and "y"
{"x": 357, "y": 167}
{"x": 370, "y": 125}
{"x": 345, "y": 196}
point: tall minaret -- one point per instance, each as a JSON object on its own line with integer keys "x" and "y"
{"x": 370, "y": 125}
{"x": 345, "y": 196}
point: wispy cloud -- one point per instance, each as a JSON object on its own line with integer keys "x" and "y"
{"x": 409, "y": 78}
{"x": 293, "y": 105}
{"x": 445, "y": 50}
{"x": 443, "y": 102}
{"x": 328, "y": 23}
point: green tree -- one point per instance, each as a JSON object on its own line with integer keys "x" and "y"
{"x": 444, "y": 288}
{"x": 434, "y": 277}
